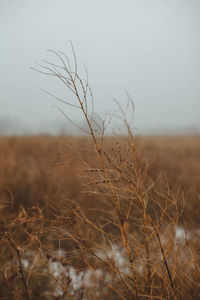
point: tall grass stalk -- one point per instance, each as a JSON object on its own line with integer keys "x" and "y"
{"x": 121, "y": 180}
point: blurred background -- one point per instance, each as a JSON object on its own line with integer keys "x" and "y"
{"x": 149, "y": 48}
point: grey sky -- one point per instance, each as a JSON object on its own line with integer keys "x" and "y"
{"x": 149, "y": 47}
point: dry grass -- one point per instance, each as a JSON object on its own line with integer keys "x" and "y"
{"x": 49, "y": 205}
{"x": 98, "y": 217}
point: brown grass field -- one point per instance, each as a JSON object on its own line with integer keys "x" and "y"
{"x": 73, "y": 227}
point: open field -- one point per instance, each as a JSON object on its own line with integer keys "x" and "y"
{"x": 38, "y": 169}
{"x": 124, "y": 224}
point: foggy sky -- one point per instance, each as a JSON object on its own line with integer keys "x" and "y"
{"x": 148, "y": 47}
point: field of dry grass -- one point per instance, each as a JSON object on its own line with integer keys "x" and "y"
{"x": 37, "y": 170}
{"x": 125, "y": 226}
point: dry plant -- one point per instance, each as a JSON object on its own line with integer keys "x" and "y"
{"x": 130, "y": 248}
{"x": 19, "y": 232}
{"x": 94, "y": 224}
